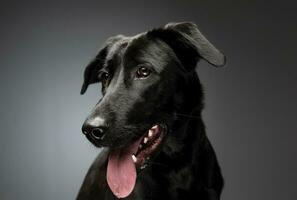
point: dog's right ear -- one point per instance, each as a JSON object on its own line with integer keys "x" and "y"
{"x": 92, "y": 69}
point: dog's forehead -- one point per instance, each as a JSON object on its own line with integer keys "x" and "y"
{"x": 116, "y": 50}
{"x": 139, "y": 49}
{"x": 143, "y": 49}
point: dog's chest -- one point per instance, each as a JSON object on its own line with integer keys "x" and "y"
{"x": 172, "y": 185}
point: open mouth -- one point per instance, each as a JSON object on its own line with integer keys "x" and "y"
{"x": 148, "y": 146}
{"x": 124, "y": 163}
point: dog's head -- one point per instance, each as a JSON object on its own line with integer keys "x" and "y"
{"x": 143, "y": 81}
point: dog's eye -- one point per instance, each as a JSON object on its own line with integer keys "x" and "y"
{"x": 143, "y": 72}
{"x": 104, "y": 76}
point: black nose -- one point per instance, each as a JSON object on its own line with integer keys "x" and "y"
{"x": 95, "y": 128}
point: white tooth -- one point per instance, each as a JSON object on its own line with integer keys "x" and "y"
{"x": 145, "y": 140}
{"x": 134, "y": 158}
{"x": 150, "y": 133}
{"x": 143, "y": 167}
{"x": 154, "y": 127}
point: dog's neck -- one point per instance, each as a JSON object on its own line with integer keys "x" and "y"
{"x": 193, "y": 94}
{"x": 187, "y": 129}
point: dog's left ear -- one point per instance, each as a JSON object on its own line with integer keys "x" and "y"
{"x": 92, "y": 69}
{"x": 189, "y": 44}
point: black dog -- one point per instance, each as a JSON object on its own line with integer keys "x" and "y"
{"x": 149, "y": 118}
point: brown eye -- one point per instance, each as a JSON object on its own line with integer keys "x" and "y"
{"x": 143, "y": 72}
{"x": 104, "y": 76}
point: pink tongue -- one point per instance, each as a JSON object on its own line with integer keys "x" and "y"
{"x": 121, "y": 171}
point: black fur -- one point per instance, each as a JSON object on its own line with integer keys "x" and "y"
{"x": 186, "y": 166}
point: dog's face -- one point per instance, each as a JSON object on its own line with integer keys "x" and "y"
{"x": 138, "y": 80}
{"x": 143, "y": 79}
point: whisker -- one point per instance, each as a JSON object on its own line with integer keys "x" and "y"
{"x": 190, "y": 116}
{"x": 159, "y": 164}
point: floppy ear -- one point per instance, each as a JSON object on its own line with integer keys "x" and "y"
{"x": 92, "y": 69}
{"x": 189, "y": 44}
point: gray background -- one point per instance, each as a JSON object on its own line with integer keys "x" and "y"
{"x": 250, "y": 105}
